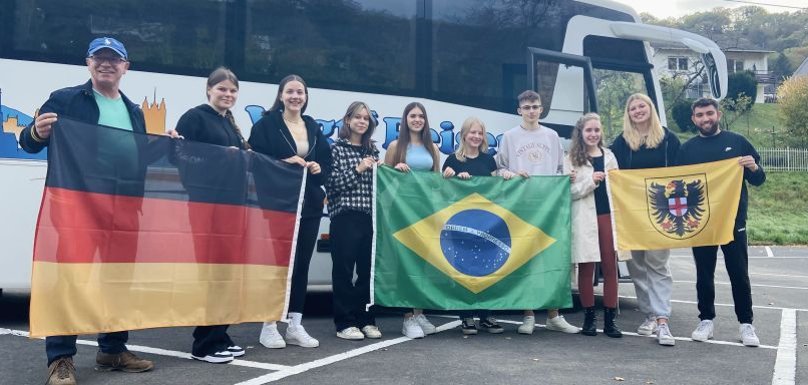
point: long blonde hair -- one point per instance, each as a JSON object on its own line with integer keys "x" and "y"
{"x": 655, "y": 132}
{"x": 460, "y": 153}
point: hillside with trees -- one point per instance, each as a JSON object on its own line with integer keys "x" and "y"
{"x": 750, "y": 27}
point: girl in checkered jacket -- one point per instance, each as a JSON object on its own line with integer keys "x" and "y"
{"x": 350, "y": 199}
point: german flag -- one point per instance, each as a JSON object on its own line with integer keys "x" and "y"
{"x": 140, "y": 231}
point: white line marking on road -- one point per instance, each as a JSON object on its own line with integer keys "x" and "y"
{"x": 769, "y": 252}
{"x": 754, "y": 285}
{"x": 297, "y": 369}
{"x": 161, "y": 352}
{"x": 779, "y": 275}
{"x": 791, "y": 257}
{"x": 728, "y": 304}
{"x": 785, "y": 366}
{"x": 651, "y": 336}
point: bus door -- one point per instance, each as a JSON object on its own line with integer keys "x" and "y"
{"x": 566, "y": 86}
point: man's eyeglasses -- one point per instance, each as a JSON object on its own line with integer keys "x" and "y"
{"x": 114, "y": 60}
{"x": 530, "y": 107}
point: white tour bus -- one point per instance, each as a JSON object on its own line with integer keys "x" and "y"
{"x": 460, "y": 58}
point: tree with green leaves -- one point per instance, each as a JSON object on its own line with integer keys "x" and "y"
{"x": 792, "y": 97}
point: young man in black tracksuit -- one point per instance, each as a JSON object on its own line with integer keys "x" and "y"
{"x": 712, "y": 144}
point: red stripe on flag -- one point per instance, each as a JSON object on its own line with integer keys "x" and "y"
{"x": 82, "y": 227}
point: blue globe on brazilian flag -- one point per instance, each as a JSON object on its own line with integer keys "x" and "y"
{"x": 482, "y": 243}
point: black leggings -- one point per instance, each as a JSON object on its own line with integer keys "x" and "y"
{"x": 306, "y": 238}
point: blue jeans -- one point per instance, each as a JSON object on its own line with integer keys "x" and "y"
{"x": 483, "y": 314}
{"x": 65, "y": 346}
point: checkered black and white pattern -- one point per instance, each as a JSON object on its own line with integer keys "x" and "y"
{"x": 348, "y": 189}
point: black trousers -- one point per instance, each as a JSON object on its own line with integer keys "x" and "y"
{"x": 736, "y": 260}
{"x": 351, "y": 240}
{"x": 306, "y": 239}
{"x": 210, "y": 339}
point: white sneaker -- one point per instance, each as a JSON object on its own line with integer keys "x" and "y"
{"x": 425, "y": 325}
{"x": 371, "y": 331}
{"x": 222, "y": 357}
{"x": 351, "y": 333}
{"x": 748, "y": 336}
{"x": 270, "y": 337}
{"x": 296, "y": 335}
{"x": 664, "y": 336}
{"x": 647, "y": 327}
{"x": 559, "y": 324}
{"x": 411, "y": 328}
{"x": 528, "y": 325}
{"x": 703, "y": 332}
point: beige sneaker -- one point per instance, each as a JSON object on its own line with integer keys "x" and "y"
{"x": 371, "y": 331}
{"x": 124, "y": 361}
{"x": 528, "y": 325}
{"x": 62, "y": 372}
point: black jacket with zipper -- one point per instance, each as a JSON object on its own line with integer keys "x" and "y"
{"x": 271, "y": 136}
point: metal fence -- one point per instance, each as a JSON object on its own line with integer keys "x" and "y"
{"x": 784, "y": 159}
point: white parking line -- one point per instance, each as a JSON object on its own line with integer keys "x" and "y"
{"x": 753, "y": 285}
{"x": 785, "y": 366}
{"x": 779, "y": 275}
{"x": 769, "y": 252}
{"x": 727, "y": 304}
{"x": 161, "y": 352}
{"x": 297, "y": 369}
{"x": 625, "y": 333}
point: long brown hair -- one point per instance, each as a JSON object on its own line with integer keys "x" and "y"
{"x": 345, "y": 130}
{"x": 400, "y": 155}
{"x": 217, "y": 76}
{"x": 578, "y": 154}
{"x": 278, "y": 104}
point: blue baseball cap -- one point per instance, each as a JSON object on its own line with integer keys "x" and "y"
{"x": 107, "y": 42}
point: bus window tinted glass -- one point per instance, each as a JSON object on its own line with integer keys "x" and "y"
{"x": 479, "y": 48}
{"x": 158, "y": 34}
{"x": 353, "y": 45}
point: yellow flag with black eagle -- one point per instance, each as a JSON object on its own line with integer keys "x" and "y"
{"x": 675, "y": 207}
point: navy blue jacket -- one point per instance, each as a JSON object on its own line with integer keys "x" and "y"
{"x": 77, "y": 103}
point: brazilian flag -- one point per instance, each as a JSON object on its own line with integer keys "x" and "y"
{"x": 483, "y": 243}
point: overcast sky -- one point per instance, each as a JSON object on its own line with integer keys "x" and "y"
{"x": 676, "y": 8}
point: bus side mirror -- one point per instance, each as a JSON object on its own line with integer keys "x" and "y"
{"x": 712, "y": 75}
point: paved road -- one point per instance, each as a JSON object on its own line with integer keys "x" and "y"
{"x": 780, "y": 290}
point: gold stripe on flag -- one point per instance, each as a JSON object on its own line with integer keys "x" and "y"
{"x": 107, "y": 297}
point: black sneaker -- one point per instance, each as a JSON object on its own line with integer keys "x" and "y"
{"x": 491, "y": 325}
{"x": 468, "y": 326}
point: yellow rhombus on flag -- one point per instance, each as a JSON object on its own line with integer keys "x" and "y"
{"x": 675, "y": 207}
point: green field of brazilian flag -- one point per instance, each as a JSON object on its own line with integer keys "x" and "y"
{"x": 484, "y": 243}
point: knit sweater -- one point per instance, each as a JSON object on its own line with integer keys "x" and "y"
{"x": 348, "y": 189}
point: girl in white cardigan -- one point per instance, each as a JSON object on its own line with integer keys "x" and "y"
{"x": 591, "y": 221}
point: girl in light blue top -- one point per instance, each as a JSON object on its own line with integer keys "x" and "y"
{"x": 414, "y": 150}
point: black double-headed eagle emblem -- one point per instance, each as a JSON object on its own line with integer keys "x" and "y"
{"x": 678, "y": 207}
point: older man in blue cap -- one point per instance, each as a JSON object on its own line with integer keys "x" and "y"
{"x": 99, "y": 101}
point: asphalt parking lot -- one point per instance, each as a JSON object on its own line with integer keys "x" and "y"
{"x": 780, "y": 291}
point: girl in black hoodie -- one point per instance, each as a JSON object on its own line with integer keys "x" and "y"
{"x": 285, "y": 133}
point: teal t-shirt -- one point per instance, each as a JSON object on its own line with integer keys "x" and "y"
{"x": 116, "y": 148}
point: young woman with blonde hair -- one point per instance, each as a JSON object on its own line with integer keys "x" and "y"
{"x": 644, "y": 143}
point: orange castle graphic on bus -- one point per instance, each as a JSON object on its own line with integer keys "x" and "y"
{"x": 14, "y": 121}
{"x": 155, "y": 115}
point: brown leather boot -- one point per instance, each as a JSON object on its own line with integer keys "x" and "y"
{"x": 124, "y": 361}
{"x": 62, "y": 372}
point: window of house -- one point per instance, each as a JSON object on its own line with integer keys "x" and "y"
{"x": 677, "y": 63}
{"x": 734, "y": 65}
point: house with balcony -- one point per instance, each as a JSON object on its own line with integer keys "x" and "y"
{"x": 675, "y": 62}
